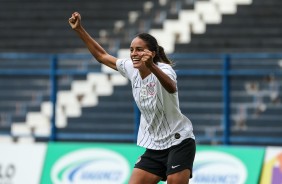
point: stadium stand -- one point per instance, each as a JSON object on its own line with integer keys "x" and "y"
{"x": 206, "y": 26}
{"x": 254, "y": 28}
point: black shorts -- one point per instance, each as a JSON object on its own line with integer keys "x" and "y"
{"x": 169, "y": 161}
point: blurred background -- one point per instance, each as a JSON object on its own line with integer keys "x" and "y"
{"x": 198, "y": 36}
{"x": 227, "y": 56}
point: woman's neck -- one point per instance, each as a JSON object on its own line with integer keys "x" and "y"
{"x": 144, "y": 73}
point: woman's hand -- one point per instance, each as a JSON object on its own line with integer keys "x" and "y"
{"x": 75, "y": 21}
{"x": 147, "y": 58}
{"x": 165, "y": 80}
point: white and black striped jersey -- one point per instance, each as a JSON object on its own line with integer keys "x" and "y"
{"x": 162, "y": 124}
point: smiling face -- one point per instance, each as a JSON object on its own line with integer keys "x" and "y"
{"x": 137, "y": 48}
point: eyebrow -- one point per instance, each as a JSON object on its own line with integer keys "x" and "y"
{"x": 139, "y": 47}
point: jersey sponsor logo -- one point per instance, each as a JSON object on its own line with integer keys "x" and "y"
{"x": 143, "y": 92}
{"x": 177, "y": 136}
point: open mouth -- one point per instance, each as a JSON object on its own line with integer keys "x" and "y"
{"x": 135, "y": 61}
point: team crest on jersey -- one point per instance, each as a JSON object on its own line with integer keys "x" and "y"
{"x": 151, "y": 88}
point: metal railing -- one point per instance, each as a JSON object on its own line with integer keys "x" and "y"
{"x": 225, "y": 73}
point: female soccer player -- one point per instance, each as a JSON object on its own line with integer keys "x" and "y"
{"x": 164, "y": 131}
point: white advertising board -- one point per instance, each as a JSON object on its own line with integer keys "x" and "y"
{"x": 21, "y": 163}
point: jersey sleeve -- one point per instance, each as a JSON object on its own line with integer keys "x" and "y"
{"x": 125, "y": 67}
{"x": 167, "y": 69}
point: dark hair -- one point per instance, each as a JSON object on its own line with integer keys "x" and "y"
{"x": 153, "y": 45}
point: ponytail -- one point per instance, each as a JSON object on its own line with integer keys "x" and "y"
{"x": 154, "y": 46}
{"x": 162, "y": 56}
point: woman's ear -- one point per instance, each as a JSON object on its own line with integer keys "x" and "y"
{"x": 153, "y": 53}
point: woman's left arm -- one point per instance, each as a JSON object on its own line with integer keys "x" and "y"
{"x": 164, "y": 79}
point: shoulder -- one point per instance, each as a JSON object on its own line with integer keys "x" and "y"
{"x": 166, "y": 68}
{"x": 125, "y": 67}
{"x": 124, "y": 61}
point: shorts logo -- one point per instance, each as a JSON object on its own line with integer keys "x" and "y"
{"x": 174, "y": 166}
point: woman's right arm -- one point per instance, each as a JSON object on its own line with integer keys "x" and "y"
{"x": 95, "y": 48}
